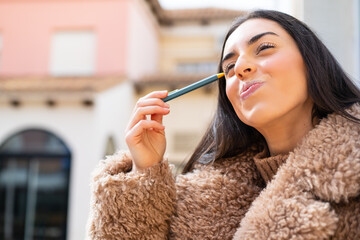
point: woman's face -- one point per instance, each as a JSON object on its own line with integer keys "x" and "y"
{"x": 265, "y": 74}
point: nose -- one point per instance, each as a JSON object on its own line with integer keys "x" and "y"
{"x": 244, "y": 68}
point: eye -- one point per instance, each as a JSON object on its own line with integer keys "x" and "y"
{"x": 264, "y": 46}
{"x": 228, "y": 68}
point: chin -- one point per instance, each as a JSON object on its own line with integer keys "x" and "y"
{"x": 256, "y": 116}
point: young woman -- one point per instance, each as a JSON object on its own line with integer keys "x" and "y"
{"x": 280, "y": 160}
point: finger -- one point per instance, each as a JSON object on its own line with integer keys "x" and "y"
{"x": 132, "y": 137}
{"x": 152, "y": 98}
{"x": 141, "y": 113}
{"x": 151, "y": 102}
{"x": 156, "y": 94}
{"x": 158, "y": 118}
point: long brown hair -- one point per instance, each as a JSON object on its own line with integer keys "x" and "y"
{"x": 328, "y": 85}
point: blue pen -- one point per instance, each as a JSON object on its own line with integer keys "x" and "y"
{"x": 178, "y": 92}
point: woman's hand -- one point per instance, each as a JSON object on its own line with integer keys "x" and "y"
{"x": 145, "y": 137}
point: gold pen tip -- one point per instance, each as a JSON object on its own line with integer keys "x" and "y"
{"x": 220, "y": 75}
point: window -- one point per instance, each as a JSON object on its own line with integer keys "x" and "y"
{"x": 34, "y": 186}
{"x": 72, "y": 53}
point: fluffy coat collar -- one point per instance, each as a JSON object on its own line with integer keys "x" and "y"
{"x": 323, "y": 168}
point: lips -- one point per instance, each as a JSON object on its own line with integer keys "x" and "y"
{"x": 249, "y": 88}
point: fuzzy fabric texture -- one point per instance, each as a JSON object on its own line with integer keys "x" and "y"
{"x": 314, "y": 194}
{"x": 128, "y": 205}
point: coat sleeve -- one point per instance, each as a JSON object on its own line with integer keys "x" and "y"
{"x": 130, "y": 205}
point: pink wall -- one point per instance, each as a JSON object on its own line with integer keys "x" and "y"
{"x": 26, "y": 28}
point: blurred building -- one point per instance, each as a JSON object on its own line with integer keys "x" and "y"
{"x": 70, "y": 73}
{"x": 65, "y": 99}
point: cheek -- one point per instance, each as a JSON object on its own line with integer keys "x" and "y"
{"x": 232, "y": 88}
{"x": 276, "y": 64}
{"x": 232, "y": 92}
{"x": 288, "y": 69}
{"x": 288, "y": 76}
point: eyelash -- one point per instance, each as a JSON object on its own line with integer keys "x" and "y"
{"x": 227, "y": 68}
{"x": 264, "y": 46}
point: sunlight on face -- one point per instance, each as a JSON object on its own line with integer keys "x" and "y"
{"x": 265, "y": 74}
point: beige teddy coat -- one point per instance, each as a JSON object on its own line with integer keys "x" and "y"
{"x": 315, "y": 194}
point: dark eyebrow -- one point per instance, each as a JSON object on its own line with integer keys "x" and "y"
{"x": 260, "y": 35}
{"x": 251, "y": 41}
{"x": 227, "y": 56}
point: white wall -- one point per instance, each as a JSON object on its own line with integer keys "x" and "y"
{"x": 356, "y": 12}
{"x": 336, "y": 23}
{"x": 294, "y": 7}
{"x": 113, "y": 110}
{"x": 110, "y": 115}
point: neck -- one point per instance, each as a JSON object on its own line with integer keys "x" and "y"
{"x": 283, "y": 135}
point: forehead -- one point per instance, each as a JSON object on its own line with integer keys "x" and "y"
{"x": 251, "y": 28}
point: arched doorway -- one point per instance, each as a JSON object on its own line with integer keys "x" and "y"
{"x": 34, "y": 186}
